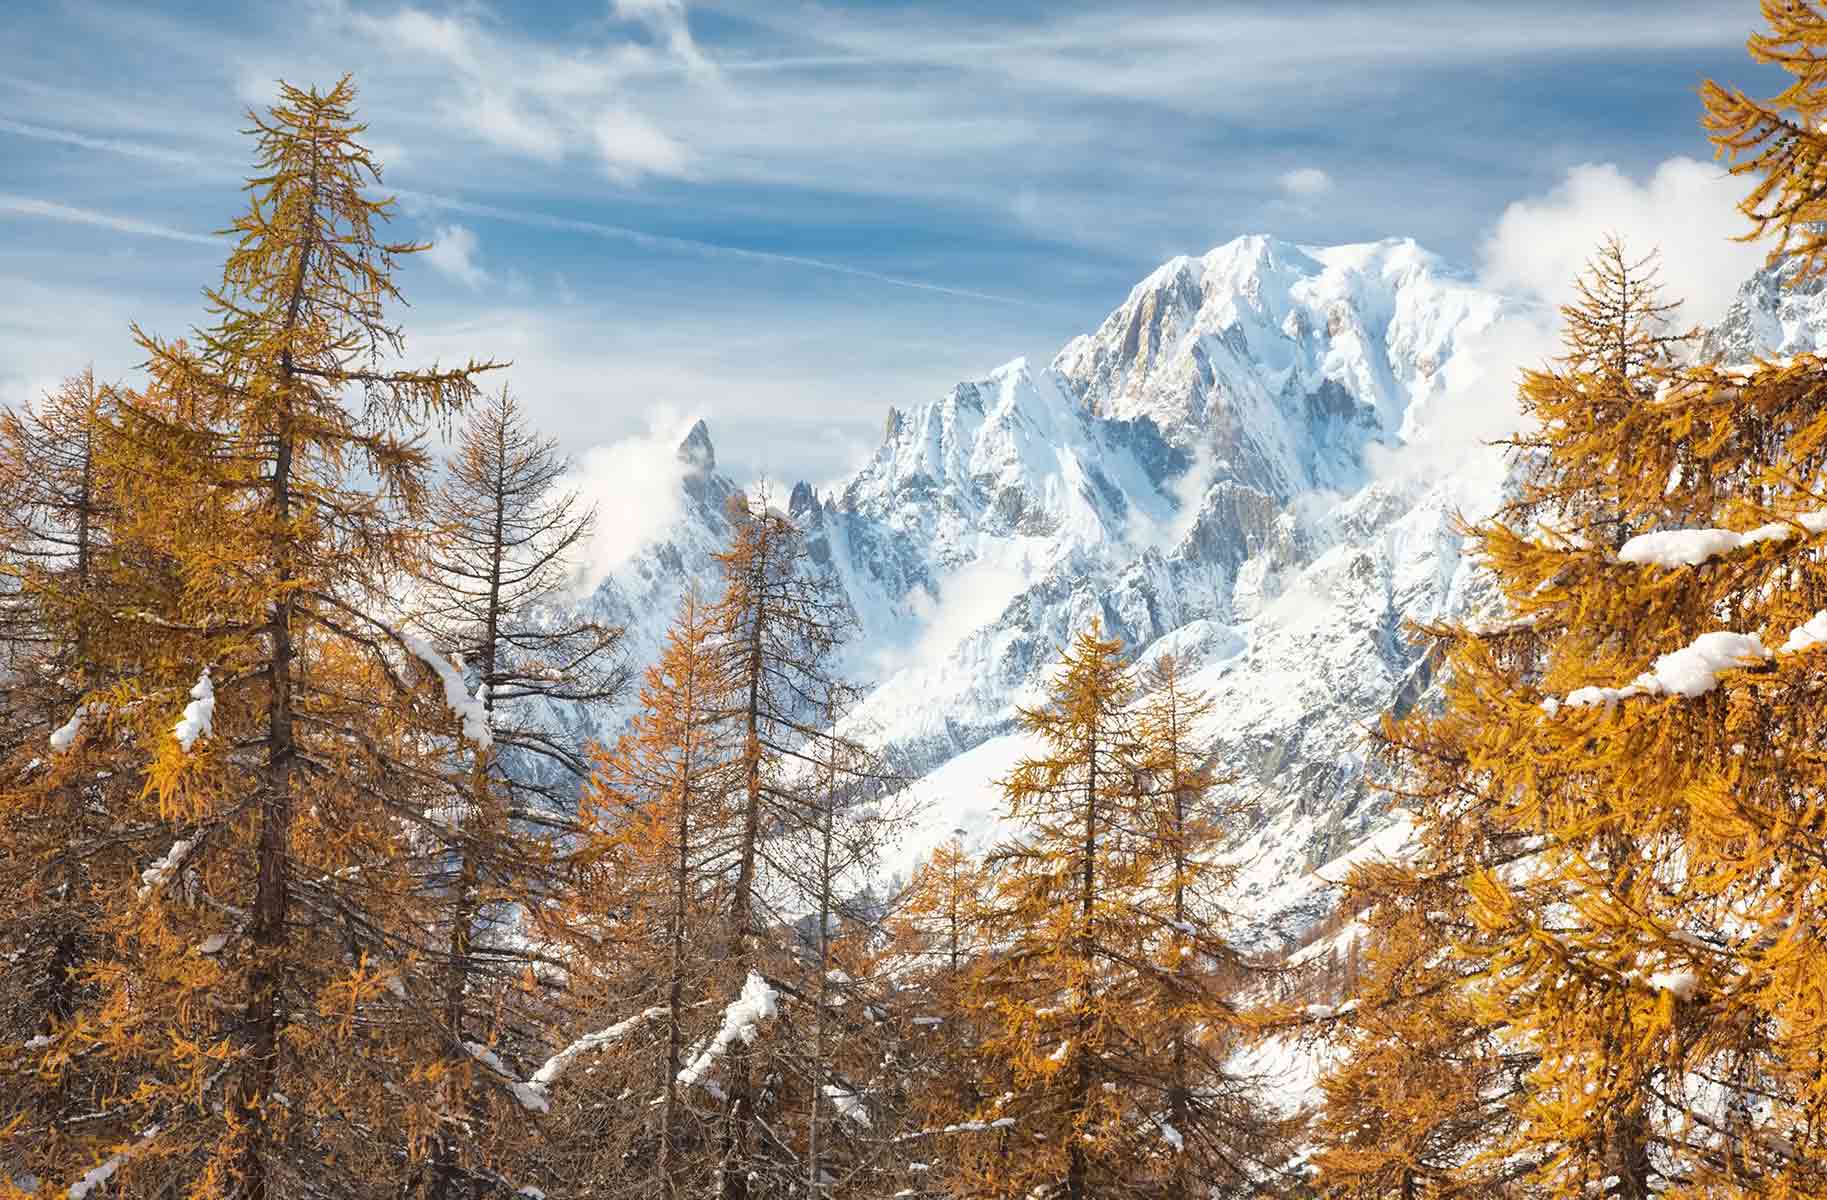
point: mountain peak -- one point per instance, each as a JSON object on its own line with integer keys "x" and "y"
{"x": 1281, "y": 361}
{"x": 696, "y": 450}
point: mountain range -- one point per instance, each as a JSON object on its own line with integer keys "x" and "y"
{"x": 1245, "y": 465}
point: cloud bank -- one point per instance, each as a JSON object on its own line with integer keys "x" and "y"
{"x": 1686, "y": 211}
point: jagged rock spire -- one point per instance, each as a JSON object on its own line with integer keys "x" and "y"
{"x": 697, "y": 451}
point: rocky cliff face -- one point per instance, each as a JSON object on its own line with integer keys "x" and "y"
{"x": 1195, "y": 475}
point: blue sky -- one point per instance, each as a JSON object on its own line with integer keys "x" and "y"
{"x": 786, "y": 217}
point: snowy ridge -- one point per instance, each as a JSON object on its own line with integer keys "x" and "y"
{"x": 1282, "y": 361}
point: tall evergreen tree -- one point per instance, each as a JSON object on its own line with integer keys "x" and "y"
{"x": 1087, "y": 1032}
{"x": 491, "y": 586}
{"x": 662, "y": 827}
{"x": 779, "y": 623}
{"x": 277, "y": 465}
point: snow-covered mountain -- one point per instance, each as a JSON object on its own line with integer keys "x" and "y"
{"x": 1197, "y": 474}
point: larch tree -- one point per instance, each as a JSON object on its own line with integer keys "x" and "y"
{"x": 1082, "y": 1022}
{"x": 1625, "y": 786}
{"x": 937, "y": 937}
{"x": 779, "y": 623}
{"x": 54, "y": 620}
{"x": 277, "y": 460}
{"x": 70, "y": 831}
{"x": 1221, "y": 1131}
{"x": 662, "y": 828}
{"x": 855, "y": 799}
{"x": 490, "y": 593}
{"x": 1486, "y": 981}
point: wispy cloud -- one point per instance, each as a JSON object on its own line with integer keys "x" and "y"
{"x": 538, "y": 100}
{"x": 600, "y": 229}
{"x": 25, "y": 206}
{"x": 453, "y": 253}
{"x": 140, "y": 150}
{"x": 518, "y": 216}
{"x": 1305, "y": 183}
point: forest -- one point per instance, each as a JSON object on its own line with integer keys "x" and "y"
{"x": 309, "y": 889}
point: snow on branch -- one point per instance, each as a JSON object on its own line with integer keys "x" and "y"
{"x": 161, "y": 869}
{"x": 1807, "y": 635}
{"x": 1691, "y": 547}
{"x": 559, "y": 1063}
{"x": 1690, "y": 672}
{"x": 741, "y": 1022}
{"x": 535, "y": 1094}
{"x": 1680, "y": 984}
{"x": 531, "y": 1098}
{"x": 1695, "y": 670}
{"x": 64, "y": 736}
{"x": 470, "y": 709}
{"x": 199, "y": 715}
{"x": 104, "y": 1171}
{"x": 848, "y": 1104}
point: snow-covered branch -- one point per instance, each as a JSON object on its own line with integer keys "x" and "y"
{"x": 1691, "y": 547}
{"x": 64, "y": 736}
{"x": 535, "y": 1094}
{"x": 199, "y": 715}
{"x": 741, "y": 1022}
{"x": 104, "y": 1171}
{"x": 471, "y": 710}
{"x": 1691, "y": 671}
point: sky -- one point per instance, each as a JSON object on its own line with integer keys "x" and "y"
{"x": 785, "y": 217}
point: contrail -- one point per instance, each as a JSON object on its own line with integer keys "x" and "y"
{"x": 27, "y": 207}
{"x": 515, "y": 216}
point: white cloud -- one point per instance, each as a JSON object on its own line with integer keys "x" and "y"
{"x": 539, "y": 100}
{"x": 634, "y": 485}
{"x": 1686, "y": 210}
{"x": 1304, "y": 183}
{"x": 453, "y": 253}
{"x": 631, "y": 146}
{"x": 969, "y": 598}
{"x": 666, "y": 19}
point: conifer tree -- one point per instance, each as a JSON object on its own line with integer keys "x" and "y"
{"x": 854, "y": 798}
{"x": 662, "y": 828}
{"x": 69, "y": 628}
{"x": 1216, "y": 1118}
{"x": 490, "y": 587}
{"x": 779, "y": 623}
{"x": 1620, "y": 785}
{"x": 1088, "y": 1037}
{"x": 53, "y": 628}
{"x": 936, "y": 940}
{"x": 1778, "y": 141}
{"x": 257, "y": 958}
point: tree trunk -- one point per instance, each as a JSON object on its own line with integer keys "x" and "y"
{"x": 1078, "y": 1169}
{"x": 735, "y": 1176}
{"x": 813, "y": 1183}
{"x": 267, "y": 931}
